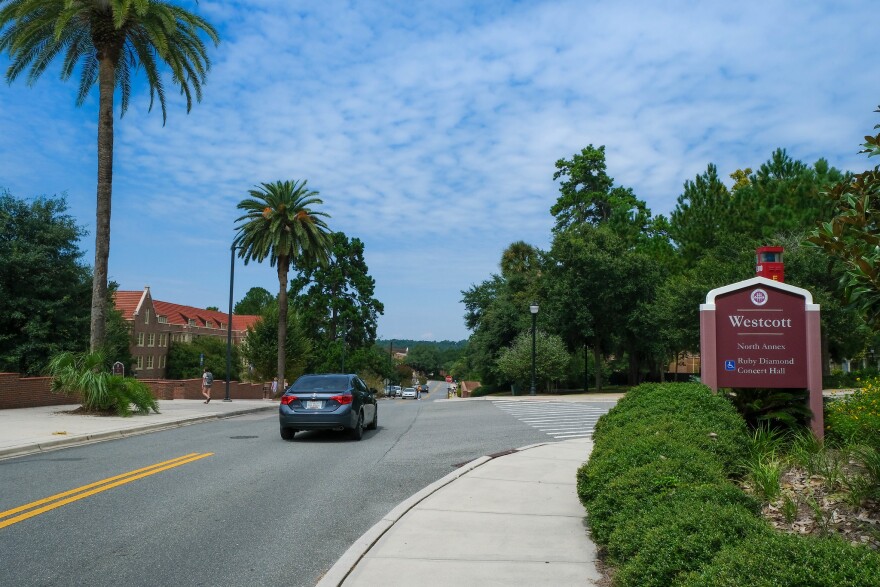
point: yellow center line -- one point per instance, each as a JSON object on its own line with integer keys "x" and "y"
{"x": 93, "y": 488}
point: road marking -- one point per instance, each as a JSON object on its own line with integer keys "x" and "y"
{"x": 557, "y": 419}
{"x": 66, "y": 497}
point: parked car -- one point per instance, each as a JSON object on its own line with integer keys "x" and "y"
{"x": 409, "y": 392}
{"x": 395, "y": 391}
{"x": 334, "y": 401}
{"x": 423, "y": 388}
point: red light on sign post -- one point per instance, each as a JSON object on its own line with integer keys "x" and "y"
{"x": 768, "y": 263}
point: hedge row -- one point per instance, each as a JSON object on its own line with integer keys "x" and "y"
{"x": 659, "y": 498}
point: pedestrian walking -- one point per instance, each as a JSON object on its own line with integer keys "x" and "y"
{"x": 273, "y": 389}
{"x": 207, "y": 381}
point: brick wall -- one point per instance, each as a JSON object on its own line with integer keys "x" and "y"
{"x": 31, "y": 392}
{"x": 192, "y": 389}
{"x": 468, "y": 387}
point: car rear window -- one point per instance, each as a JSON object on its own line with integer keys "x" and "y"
{"x": 321, "y": 383}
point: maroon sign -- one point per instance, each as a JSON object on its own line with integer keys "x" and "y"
{"x": 761, "y": 338}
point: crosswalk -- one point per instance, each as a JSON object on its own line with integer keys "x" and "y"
{"x": 557, "y": 419}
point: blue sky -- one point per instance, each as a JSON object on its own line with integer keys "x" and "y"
{"x": 431, "y": 129}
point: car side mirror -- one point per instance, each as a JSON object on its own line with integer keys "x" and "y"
{"x": 373, "y": 390}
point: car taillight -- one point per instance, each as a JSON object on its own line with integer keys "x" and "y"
{"x": 288, "y": 399}
{"x": 343, "y": 399}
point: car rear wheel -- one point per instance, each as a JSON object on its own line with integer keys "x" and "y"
{"x": 287, "y": 433}
{"x": 375, "y": 423}
{"x": 358, "y": 431}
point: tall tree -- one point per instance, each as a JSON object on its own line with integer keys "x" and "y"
{"x": 852, "y": 236}
{"x": 701, "y": 216}
{"x": 256, "y": 301}
{"x": 260, "y": 347}
{"x": 43, "y": 284}
{"x": 551, "y": 359}
{"x": 336, "y": 303}
{"x": 280, "y": 224}
{"x": 111, "y": 39}
{"x": 584, "y": 189}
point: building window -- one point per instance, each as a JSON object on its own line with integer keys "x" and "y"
{"x": 140, "y": 362}
{"x": 162, "y": 319}
{"x": 150, "y": 362}
{"x": 147, "y": 317}
{"x": 163, "y": 340}
{"x": 151, "y": 340}
{"x": 161, "y": 361}
{"x": 140, "y": 339}
{"x": 192, "y": 321}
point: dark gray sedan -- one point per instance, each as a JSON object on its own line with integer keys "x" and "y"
{"x": 334, "y": 401}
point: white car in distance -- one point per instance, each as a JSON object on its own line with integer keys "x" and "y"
{"x": 409, "y": 392}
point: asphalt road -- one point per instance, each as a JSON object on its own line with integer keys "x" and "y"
{"x": 257, "y": 511}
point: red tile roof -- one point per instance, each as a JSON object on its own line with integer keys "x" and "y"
{"x": 127, "y": 302}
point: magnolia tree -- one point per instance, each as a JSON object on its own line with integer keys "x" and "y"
{"x": 551, "y": 359}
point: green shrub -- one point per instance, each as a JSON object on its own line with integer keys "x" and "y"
{"x": 686, "y": 539}
{"x": 785, "y": 560}
{"x": 631, "y": 535}
{"x": 689, "y": 412}
{"x": 613, "y": 459}
{"x": 856, "y": 417}
{"x": 84, "y": 374}
{"x": 634, "y": 490}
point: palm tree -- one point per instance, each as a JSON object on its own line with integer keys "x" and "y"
{"x": 279, "y": 223}
{"x": 111, "y": 39}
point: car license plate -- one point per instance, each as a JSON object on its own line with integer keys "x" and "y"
{"x": 310, "y": 405}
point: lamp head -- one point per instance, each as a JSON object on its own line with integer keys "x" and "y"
{"x": 533, "y": 308}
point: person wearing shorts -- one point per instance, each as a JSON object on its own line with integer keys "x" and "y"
{"x": 207, "y": 380}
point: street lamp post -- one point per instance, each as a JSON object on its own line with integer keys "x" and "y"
{"x": 533, "y": 308}
{"x": 229, "y": 322}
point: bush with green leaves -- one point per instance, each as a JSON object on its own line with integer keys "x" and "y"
{"x": 630, "y": 536}
{"x": 686, "y": 413}
{"x": 659, "y": 498}
{"x": 680, "y": 537}
{"x": 85, "y": 375}
{"x": 855, "y": 418}
{"x": 632, "y": 491}
{"x": 786, "y": 560}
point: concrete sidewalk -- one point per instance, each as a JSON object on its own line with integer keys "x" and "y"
{"x": 34, "y": 430}
{"x": 510, "y": 520}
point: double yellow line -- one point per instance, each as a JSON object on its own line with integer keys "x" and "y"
{"x": 41, "y": 506}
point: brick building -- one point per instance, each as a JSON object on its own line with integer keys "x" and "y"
{"x": 155, "y": 324}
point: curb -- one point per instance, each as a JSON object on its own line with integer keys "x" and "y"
{"x": 60, "y": 443}
{"x": 336, "y": 575}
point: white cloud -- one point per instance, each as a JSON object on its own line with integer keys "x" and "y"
{"x": 431, "y": 129}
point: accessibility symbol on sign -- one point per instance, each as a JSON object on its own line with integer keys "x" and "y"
{"x": 729, "y": 365}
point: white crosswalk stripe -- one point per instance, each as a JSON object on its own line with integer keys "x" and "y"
{"x": 554, "y": 418}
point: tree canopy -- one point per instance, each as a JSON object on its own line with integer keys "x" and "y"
{"x": 44, "y": 287}
{"x": 336, "y": 305}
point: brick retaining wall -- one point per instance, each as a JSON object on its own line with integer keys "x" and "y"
{"x": 32, "y": 392}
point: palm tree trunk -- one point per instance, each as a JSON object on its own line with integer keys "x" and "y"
{"x": 283, "y": 263}
{"x": 106, "y": 85}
